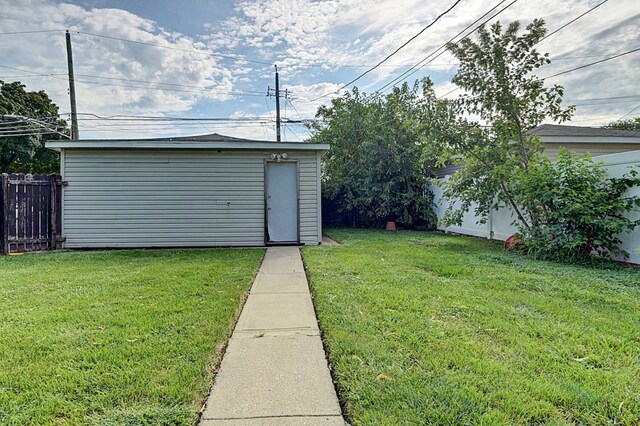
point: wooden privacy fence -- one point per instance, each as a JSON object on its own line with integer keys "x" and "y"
{"x": 30, "y": 207}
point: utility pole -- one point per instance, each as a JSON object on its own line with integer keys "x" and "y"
{"x": 72, "y": 91}
{"x": 276, "y": 93}
{"x": 277, "y": 105}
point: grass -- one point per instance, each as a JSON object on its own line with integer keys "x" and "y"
{"x": 425, "y": 328}
{"x": 118, "y": 337}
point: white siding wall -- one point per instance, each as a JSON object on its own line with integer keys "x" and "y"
{"x": 156, "y": 198}
{"x": 499, "y": 226}
{"x": 551, "y": 150}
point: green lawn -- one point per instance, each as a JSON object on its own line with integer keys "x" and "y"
{"x": 468, "y": 333}
{"x": 119, "y": 337}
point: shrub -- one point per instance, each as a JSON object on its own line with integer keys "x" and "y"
{"x": 582, "y": 210}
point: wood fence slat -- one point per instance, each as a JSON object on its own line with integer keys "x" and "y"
{"x": 29, "y": 212}
{"x": 4, "y": 207}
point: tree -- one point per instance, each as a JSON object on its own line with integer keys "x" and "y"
{"x": 33, "y": 117}
{"x": 632, "y": 124}
{"x": 496, "y": 72}
{"x": 565, "y": 210}
{"x": 373, "y": 168}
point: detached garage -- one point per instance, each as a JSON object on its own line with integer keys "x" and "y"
{"x": 190, "y": 192}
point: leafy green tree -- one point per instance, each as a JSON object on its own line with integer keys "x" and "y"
{"x": 565, "y": 210}
{"x": 25, "y": 152}
{"x": 632, "y": 124}
{"x": 373, "y": 167}
{"x": 586, "y": 209}
{"x": 501, "y": 90}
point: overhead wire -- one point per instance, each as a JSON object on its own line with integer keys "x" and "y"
{"x": 593, "y": 63}
{"x": 549, "y": 35}
{"x": 421, "y": 64}
{"x": 235, "y": 58}
{"x": 630, "y": 112}
{"x": 572, "y": 21}
{"x": 205, "y": 88}
{"x": 394, "y": 52}
{"x": 30, "y": 32}
{"x": 158, "y": 83}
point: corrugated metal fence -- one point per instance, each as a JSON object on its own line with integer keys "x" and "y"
{"x": 30, "y": 207}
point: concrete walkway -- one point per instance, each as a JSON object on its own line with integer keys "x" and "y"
{"x": 326, "y": 241}
{"x": 274, "y": 371}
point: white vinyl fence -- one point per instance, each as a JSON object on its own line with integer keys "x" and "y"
{"x": 499, "y": 226}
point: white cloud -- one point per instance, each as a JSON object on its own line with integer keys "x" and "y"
{"x": 313, "y": 38}
{"x": 191, "y": 77}
{"x": 318, "y": 44}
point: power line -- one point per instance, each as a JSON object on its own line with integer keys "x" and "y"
{"x": 30, "y": 32}
{"x": 607, "y": 103}
{"x": 394, "y": 52}
{"x": 124, "y": 117}
{"x": 593, "y": 63}
{"x": 144, "y": 43}
{"x": 27, "y": 71}
{"x": 172, "y": 123}
{"x": 572, "y": 21}
{"x": 415, "y": 68}
{"x": 323, "y": 65}
{"x": 167, "y": 89}
{"x": 58, "y": 77}
{"x": 159, "y": 83}
{"x": 170, "y": 127}
{"x": 552, "y": 33}
{"x": 28, "y": 134}
{"x": 604, "y": 99}
{"x": 295, "y": 109}
{"x": 637, "y": 106}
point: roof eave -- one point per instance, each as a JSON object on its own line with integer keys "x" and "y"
{"x": 590, "y": 139}
{"x": 164, "y": 144}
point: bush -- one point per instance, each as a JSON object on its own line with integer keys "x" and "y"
{"x": 581, "y": 209}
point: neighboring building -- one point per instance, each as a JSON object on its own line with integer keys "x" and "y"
{"x": 199, "y": 191}
{"x": 594, "y": 140}
{"x": 617, "y": 149}
{"x": 597, "y": 141}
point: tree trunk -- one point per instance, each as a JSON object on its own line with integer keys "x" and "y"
{"x": 513, "y": 205}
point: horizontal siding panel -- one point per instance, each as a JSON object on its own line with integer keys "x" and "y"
{"x": 207, "y": 236}
{"x": 142, "y": 203}
{"x": 178, "y": 177}
{"x": 167, "y": 198}
{"x": 159, "y": 245}
{"x": 222, "y": 184}
{"x": 168, "y": 214}
{"x": 131, "y": 197}
{"x": 164, "y": 232}
{"x": 160, "y": 222}
{"x": 206, "y": 225}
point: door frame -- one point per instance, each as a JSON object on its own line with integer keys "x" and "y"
{"x": 266, "y": 214}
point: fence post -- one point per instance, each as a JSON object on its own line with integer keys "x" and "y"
{"x": 4, "y": 210}
{"x": 53, "y": 223}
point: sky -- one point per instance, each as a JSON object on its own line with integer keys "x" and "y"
{"x": 217, "y": 57}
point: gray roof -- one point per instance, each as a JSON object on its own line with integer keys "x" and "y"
{"x": 211, "y": 141}
{"x": 212, "y": 137}
{"x": 562, "y": 130}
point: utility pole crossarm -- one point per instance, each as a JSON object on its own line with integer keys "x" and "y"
{"x": 276, "y": 92}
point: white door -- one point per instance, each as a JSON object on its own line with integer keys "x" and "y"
{"x": 282, "y": 202}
